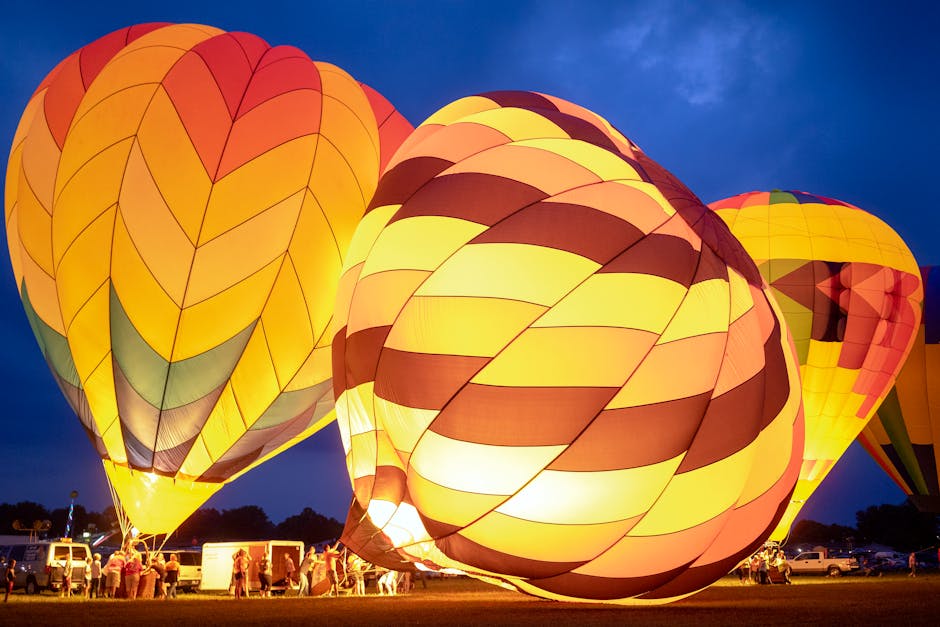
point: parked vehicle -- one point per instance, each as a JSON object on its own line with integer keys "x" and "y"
{"x": 190, "y": 576}
{"x": 217, "y": 562}
{"x": 817, "y": 562}
{"x": 39, "y": 565}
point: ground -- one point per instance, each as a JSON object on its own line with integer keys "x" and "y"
{"x": 894, "y": 599}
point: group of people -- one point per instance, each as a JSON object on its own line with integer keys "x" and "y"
{"x": 756, "y": 568}
{"x": 129, "y": 567}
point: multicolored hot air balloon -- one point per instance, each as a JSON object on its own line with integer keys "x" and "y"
{"x": 179, "y": 203}
{"x": 555, "y": 367}
{"x": 851, "y": 294}
{"x": 905, "y": 436}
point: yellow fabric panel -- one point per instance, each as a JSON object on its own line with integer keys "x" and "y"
{"x": 366, "y": 233}
{"x": 43, "y": 294}
{"x": 537, "y": 541}
{"x": 111, "y": 121}
{"x": 84, "y": 269}
{"x": 90, "y": 193}
{"x": 742, "y": 359}
{"x": 821, "y": 355}
{"x": 243, "y": 251}
{"x": 417, "y": 243}
{"x": 773, "y": 449}
{"x": 18, "y": 256}
{"x": 99, "y": 389}
{"x": 449, "y": 506}
{"x": 458, "y": 109}
{"x": 692, "y": 498}
{"x": 445, "y": 461}
{"x": 358, "y": 414}
{"x": 318, "y": 263}
{"x": 363, "y": 451}
{"x": 534, "y": 274}
{"x": 605, "y": 164}
{"x": 386, "y": 293}
{"x": 286, "y": 326}
{"x": 704, "y": 310}
{"x": 479, "y": 327}
{"x": 914, "y": 392}
{"x": 791, "y": 247}
{"x": 223, "y": 426}
{"x": 600, "y": 301}
{"x": 254, "y": 381}
{"x": 114, "y": 442}
{"x": 782, "y": 530}
{"x": 174, "y": 164}
{"x": 240, "y": 195}
{"x": 385, "y": 454}
{"x": 211, "y": 322}
{"x": 157, "y": 236}
{"x": 39, "y": 162}
{"x": 589, "y": 496}
{"x": 660, "y": 376}
{"x": 338, "y": 192}
{"x": 157, "y": 504}
{"x": 403, "y": 424}
{"x": 197, "y": 460}
{"x": 347, "y": 122}
{"x": 316, "y": 369}
{"x": 742, "y": 295}
{"x": 568, "y": 356}
{"x": 516, "y": 124}
{"x": 35, "y": 225}
{"x": 153, "y": 312}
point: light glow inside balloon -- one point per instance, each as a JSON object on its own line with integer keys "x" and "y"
{"x": 904, "y": 436}
{"x": 555, "y": 367}
{"x": 851, "y": 294}
{"x": 179, "y": 203}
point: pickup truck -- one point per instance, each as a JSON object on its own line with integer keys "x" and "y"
{"x": 816, "y": 562}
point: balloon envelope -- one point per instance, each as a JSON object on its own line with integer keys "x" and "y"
{"x": 904, "y": 437}
{"x": 177, "y": 232}
{"x": 850, "y": 291}
{"x": 556, "y": 367}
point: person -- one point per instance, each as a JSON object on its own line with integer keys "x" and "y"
{"x": 264, "y": 575}
{"x": 330, "y": 556}
{"x": 97, "y": 580}
{"x": 744, "y": 571}
{"x": 782, "y": 566}
{"x": 86, "y": 589}
{"x": 132, "y": 570}
{"x": 912, "y": 564}
{"x": 67, "y": 576}
{"x": 404, "y": 582}
{"x": 241, "y": 573}
{"x": 288, "y": 571}
{"x": 8, "y": 579}
{"x": 388, "y": 582}
{"x": 113, "y": 570}
{"x": 172, "y": 575}
{"x": 764, "y": 578}
{"x": 306, "y": 565}
{"x": 355, "y": 568}
{"x": 158, "y": 565}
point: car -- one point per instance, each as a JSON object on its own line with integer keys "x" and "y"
{"x": 39, "y": 565}
{"x": 190, "y": 576}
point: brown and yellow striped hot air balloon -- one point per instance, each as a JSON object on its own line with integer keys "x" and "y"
{"x": 555, "y": 367}
{"x": 851, "y": 293}
{"x": 179, "y": 203}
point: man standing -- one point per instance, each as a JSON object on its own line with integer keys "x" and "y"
{"x": 330, "y": 557}
{"x": 305, "y": 566}
{"x": 288, "y": 571}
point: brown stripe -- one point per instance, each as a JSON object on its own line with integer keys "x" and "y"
{"x": 398, "y": 184}
{"x": 421, "y": 380}
{"x": 665, "y": 256}
{"x": 520, "y": 416}
{"x": 710, "y": 266}
{"x": 777, "y": 386}
{"x": 362, "y": 351}
{"x": 137, "y": 416}
{"x": 604, "y": 588}
{"x": 580, "y": 129}
{"x": 577, "y": 229}
{"x": 389, "y": 484}
{"x": 635, "y": 436}
{"x": 462, "y": 549}
{"x": 481, "y": 198}
{"x": 521, "y": 100}
{"x": 222, "y": 470}
{"x": 168, "y": 461}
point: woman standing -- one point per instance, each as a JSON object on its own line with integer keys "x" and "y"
{"x": 172, "y": 569}
{"x": 241, "y": 573}
{"x": 132, "y": 575}
{"x": 264, "y": 575}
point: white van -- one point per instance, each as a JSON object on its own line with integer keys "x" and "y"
{"x": 39, "y": 565}
{"x": 217, "y": 562}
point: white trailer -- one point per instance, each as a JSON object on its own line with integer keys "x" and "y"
{"x": 218, "y": 558}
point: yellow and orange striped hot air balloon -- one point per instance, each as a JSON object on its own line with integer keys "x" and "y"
{"x": 851, "y": 293}
{"x": 555, "y": 367}
{"x": 179, "y": 203}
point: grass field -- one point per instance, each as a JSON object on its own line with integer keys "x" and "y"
{"x": 894, "y": 600}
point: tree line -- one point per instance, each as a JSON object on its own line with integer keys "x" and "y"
{"x": 249, "y": 522}
{"x": 902, "y": 527}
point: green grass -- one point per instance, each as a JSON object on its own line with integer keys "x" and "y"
{"x": 811, "y": 600}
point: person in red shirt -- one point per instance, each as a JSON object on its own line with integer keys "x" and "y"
{"x": 330, "y": 557}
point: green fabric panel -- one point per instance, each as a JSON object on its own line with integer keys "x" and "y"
{"x": 54, "y": 346}
{"x": 893, "y": 421}
{"x": 289, "y": 405}
{"x": 143, "y": 367}
{"x": 194, "y": 378}
{"x": 777, "y": 197}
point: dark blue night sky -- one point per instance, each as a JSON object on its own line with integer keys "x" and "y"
{"x": 834, "y": 98}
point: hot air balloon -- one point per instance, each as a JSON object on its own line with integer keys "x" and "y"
{"x": 850, "y": 291}
{"x": 182, "y": 199}
{"x": 555, "y": 368}
{"x": 902, "y": 437}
